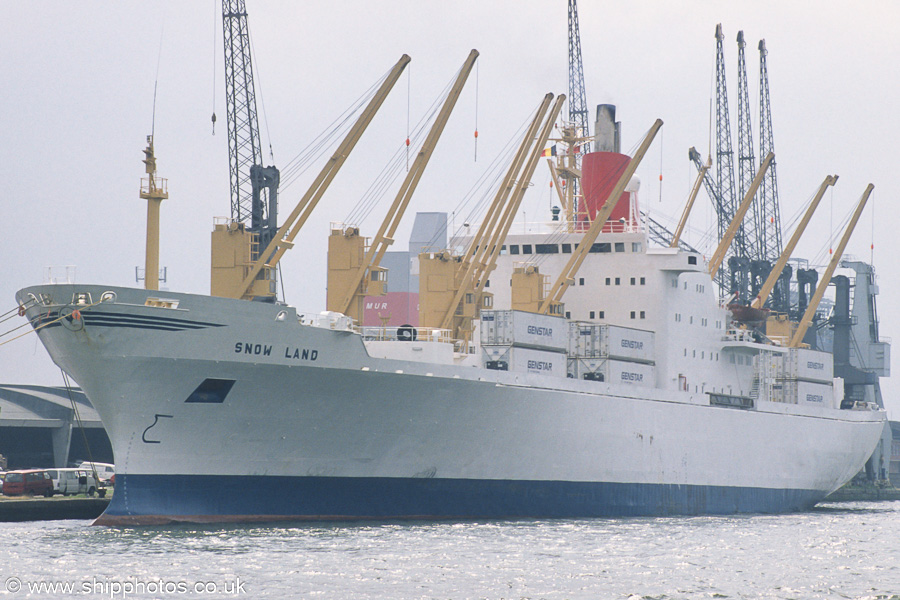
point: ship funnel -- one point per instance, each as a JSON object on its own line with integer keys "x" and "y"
{"x": 607, "y": 130}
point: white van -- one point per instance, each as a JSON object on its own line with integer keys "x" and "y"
{"x": 105, "y": 471}
{"x": 75, "y": 481}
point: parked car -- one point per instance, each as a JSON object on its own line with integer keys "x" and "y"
{"x": 105, "y": 471}
{"x": 75, "y": 481}
{"x": 29, "y": 481}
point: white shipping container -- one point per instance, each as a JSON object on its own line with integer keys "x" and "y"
{"x": 589, "y": 340}
{"x": 808, "y": 365}
{"x": 523, "y": 329}
{"x": 613, "y": 371}
{"x": 630, "y": 344}
{"x": 809, "y": 393}
{"x": 524, "y": 360}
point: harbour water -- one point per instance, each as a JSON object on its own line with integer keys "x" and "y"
{"x": 847, "y": 550}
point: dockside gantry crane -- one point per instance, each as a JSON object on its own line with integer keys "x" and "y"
{"x": 746, "y": 158}
{"x": 725, "y": 154}
{"x": 770, "y": 220}
{"x": 254, "y": 188}
{"x": 578, "y": 109}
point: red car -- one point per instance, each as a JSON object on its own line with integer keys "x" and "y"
{"x": 31, "y": 481}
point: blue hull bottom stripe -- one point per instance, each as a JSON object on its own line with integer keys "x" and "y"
{"x": 163, "y": 498}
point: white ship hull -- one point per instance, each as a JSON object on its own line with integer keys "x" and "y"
{"x": 312, "y": 427}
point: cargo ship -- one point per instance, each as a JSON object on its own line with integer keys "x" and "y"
{"x": 471, "y": 389}
{"x": 641, "y": 395}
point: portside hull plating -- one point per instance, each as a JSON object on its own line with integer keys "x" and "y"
{"x": 192, "y": 498}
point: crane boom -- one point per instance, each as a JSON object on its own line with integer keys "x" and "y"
{"x": 578, "y": 110}
{"x": 388, "y": 228}
{"x": 495, "y": 210}
{"x": 768, "y": 194}
{"x": 283, "y": 240}
{"x": 690, "y": 203}
{"x": 829, "y": 271}
{"x": 724, "y": 152}
{"x": 719, "y": 255}
{"x": 492, "y": 248}
{"x": 775, "y": 273}
{"x": 753, "y": 230}
{"x": 565, "y": 277}
{"x": 506, "y": 203}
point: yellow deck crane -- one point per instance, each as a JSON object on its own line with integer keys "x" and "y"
{"x": 769, "y": 285}
{"x": 797, "y": 340}
{"x": 451, "y": 289}
{"x": 719, "y": 255}
{"x": 487, "y": 259}
{"x": 690, "y": 203}
{"x": 552, "y": 303}
{"x": 352, "y": 275}
{"x": 446, "y": 279}
{"x": 233, "y": 274}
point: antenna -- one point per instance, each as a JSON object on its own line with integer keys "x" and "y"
{"x": 156, "y": 82}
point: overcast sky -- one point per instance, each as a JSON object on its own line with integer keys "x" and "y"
{"x": 77, "y": 104}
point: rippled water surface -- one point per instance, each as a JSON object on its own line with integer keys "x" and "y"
{"x": 836, "y": 551}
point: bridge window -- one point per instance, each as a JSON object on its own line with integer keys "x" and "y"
{"x": 526, "y": 248}
{"x": 514, "y": 249}
{"x": 601, "y": 247}
{"x": 567, "y": 248}
{"x": 546, "y": 249}
{"x": 620, "y": 246}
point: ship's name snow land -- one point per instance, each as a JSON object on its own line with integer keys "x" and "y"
{"x": 266, "y": 350}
